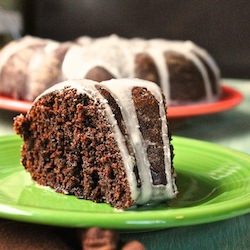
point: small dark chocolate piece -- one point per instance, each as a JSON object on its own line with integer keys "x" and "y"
{"x": 99, "y": 239}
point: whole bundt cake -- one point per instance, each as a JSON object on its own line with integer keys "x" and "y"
{"x": 103, "y": 141}
{"x": 185, "y": 72}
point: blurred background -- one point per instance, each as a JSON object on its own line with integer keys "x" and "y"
{"x": 220, "y": 26}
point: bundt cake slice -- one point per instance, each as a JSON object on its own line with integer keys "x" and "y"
{"x": 103, "y": 141}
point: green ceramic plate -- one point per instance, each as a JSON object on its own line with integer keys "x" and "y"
{"x": 214, "y": 184}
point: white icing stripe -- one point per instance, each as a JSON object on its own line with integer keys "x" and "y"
{"x": 121, "y": 90}
{"x": 78, "y": 61}
{"x": 186, "y": 50}
{"x": 27, "y": 41}
{"x": 170, "y": 189}
{"x": 209, "y": 60}
{"x": 123, "y": 96}
{"x": 201, "y": 67}
{"x": 38, "y": 63}
{"x": 15, "y": 46}
{"x": 160, "y": 62}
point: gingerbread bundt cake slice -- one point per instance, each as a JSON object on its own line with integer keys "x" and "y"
{"x": 106, "y": 142}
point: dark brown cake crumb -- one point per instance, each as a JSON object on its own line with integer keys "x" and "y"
{"x": 78, "y": 140}
{"x": 69, "y": 146}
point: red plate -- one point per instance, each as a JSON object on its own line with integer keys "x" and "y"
{"x": 229, "y": 99}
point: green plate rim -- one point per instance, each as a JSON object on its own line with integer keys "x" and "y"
{"x": 133, "y": 220}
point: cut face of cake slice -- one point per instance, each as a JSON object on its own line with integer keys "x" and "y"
{"x": 103, "y": 141}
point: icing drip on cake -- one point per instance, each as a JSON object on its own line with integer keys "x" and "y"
{"x": 32, "y": 65}
{"x": 121, "y": 91}
{"x": 16, "y": 46}
{"x": 122, "y": 94}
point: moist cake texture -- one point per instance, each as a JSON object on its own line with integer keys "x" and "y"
{"x": 103, "y": 141}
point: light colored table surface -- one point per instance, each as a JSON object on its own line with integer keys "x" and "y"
{"x": 230, "y": 128}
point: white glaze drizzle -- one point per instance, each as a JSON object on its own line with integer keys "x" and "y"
{"x": 35, "y": 63}
{"x": 38, "y": 57}
{"x": 38, "y": 64}
{"x": 209, "y": 60}
{"x": 121, "y": 90}
{"x": 80, "y": 60}
{"x": 158, "y": 56}
{"x": 186, "y": 50}
{"x": 15, "y": 46}
{"x": 123, "y": 96}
